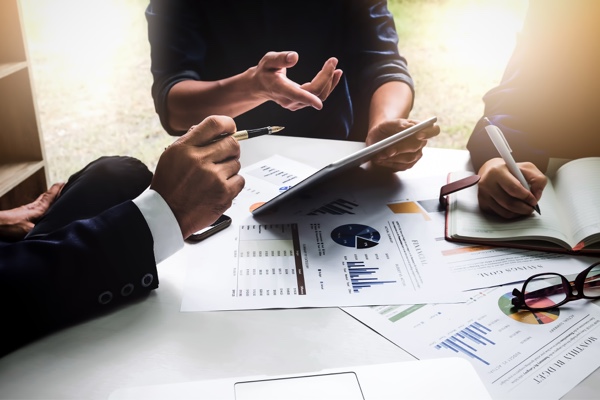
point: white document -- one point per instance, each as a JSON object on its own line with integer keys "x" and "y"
{"x": 314, "y": 257}
{"x": 480, "y": 266}
{"x": 318, "y": 261}
{"x": 519, "y": 355}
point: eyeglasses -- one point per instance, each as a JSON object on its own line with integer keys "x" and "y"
{"x": 550, "y": 290}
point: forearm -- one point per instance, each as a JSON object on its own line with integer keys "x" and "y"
{"x": 390, "y": 101}
{"x": 189, "y": 102}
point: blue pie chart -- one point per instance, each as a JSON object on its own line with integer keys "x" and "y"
{"x": 356, "y": 236}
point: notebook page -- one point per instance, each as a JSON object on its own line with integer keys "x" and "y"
{"x": 577, "y": 188}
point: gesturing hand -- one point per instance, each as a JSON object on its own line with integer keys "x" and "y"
{"x": 198, "y": 175}
{"x": 272, "y": 82}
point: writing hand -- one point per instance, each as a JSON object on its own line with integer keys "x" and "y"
{"x": 502, "y": 194}
{"x": 404, "y": 154}
{"x": 16, "y": 223}
{"x": 273, "y": 83}
{"x": 198, "y": 176}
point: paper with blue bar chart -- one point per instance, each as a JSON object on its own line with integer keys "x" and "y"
{"x": 517, "y": 353}
{"x": 316, "y": 256}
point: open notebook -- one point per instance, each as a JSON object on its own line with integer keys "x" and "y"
{"x": 445, "y": 378}
{"x": 569, "y": 220}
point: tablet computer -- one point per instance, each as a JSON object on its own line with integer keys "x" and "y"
{"x": 353, "y": 160}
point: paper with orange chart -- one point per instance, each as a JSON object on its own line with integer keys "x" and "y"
{"x": 517, "y": 354}
{"x": 367, "y": 240}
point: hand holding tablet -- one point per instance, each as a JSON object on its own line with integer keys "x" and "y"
{"x": 353, "y": 160}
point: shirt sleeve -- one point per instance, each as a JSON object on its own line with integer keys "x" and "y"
{"x": 175, "y": 49}
{"x": 373, "y": 44}
{"x": 162, "y": 223}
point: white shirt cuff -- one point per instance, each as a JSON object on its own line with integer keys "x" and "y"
{"x": 162, "y": 223}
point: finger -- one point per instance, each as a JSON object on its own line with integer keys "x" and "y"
{"x": 401, "y": 162}
{"x": 404, "y": 151}
{"x": 218, "y": 152}
{"x": 491, "y": 206}
{"x": 278, "y": 60}
{"x": 55, "y": 190}
{"x": 337, "y": 76}
{"x": 536, "y": 179}
{"x": 335, "y": 79}
{"x": 429, "y": 132}
{"x": 320, "y": 85}
{"x": 47, "y": 198}
{"x": 516, "y": 191}
{"x": 293, "y": 95}
{"x": 229, "y": 168}
{"x": 508, "y": 204}
{"x": 237, "y": 183}
{"x": 504, "y": 207}
{"x": 488, "y": 203}
{"x": 207, "y": 131}
{"x": 537, "y": 188}
{"x": 387, "y": 129}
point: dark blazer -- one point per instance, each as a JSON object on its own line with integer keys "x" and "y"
{"x": 85, "y": 268}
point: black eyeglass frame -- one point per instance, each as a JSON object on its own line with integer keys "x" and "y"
{"x": 518, "y": 301}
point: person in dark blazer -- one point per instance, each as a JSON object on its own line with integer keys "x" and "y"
{"x": 97, "y": 244}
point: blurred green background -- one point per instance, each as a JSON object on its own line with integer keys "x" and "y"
{"x": 91, "y": 69}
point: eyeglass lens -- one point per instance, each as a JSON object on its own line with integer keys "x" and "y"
{"x": 591, "y": 286}
{"x": 550, "y": 289}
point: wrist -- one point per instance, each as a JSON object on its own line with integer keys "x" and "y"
{"x": 253, "y": 85}
{"x": 391, "y": 101}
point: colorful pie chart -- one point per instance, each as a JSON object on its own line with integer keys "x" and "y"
{"x": 526, "y": 316}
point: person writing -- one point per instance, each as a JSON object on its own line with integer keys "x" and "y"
{"x": 96, "y": 240}
{"x": 546, "y": 105}
{"x": 324, "y": 69}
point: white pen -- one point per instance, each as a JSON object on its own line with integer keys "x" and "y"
{"x": 505, "y": 152}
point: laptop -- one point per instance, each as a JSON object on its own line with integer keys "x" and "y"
{"x": 350, "y": 161}
{"x": 444, "y": 378}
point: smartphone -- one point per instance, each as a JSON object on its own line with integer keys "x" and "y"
{"x": 223, "y": 222}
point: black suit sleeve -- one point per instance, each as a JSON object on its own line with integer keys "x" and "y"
{"x": 88, "y": 267}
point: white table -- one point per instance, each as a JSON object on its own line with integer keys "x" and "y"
{"x": 152, "y": 342}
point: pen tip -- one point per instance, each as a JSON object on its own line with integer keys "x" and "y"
{"x": 487, "y": 120}
{"x": 277, "y": 128}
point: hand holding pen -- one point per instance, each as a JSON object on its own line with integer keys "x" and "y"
{"x": 250, "y": 133}
{"x": 508, "y": 189}
{"x": 199, "y": 180}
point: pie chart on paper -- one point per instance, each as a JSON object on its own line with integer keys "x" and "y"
{"x": 526, "y": 316}
{"x": 356, "y": 236}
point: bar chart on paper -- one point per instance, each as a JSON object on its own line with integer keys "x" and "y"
{"x": 362, "y": 276}
{"x": 468, "y": 341}
{"x": 269, "y": 261}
